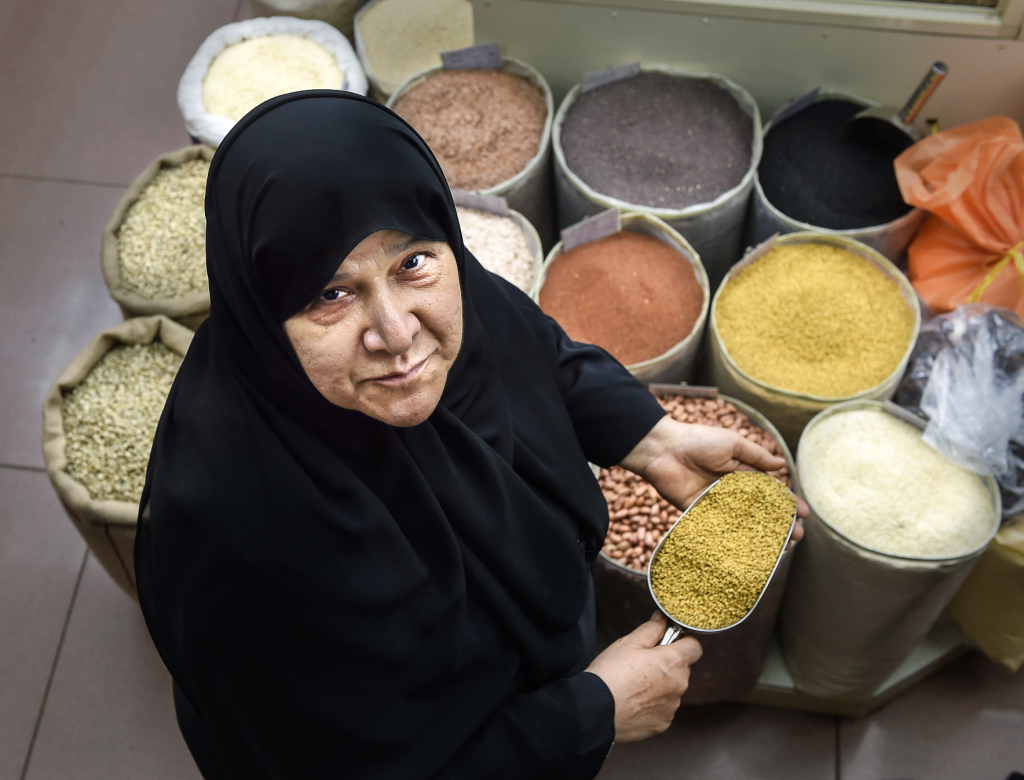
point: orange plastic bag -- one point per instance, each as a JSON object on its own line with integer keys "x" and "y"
{"x": 971, "y": 179}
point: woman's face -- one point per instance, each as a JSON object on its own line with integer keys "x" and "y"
{"x": 383, "y": 334}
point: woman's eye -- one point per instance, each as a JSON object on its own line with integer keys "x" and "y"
{"x": 414, "y": 261}
{"x": 331, "y": 295}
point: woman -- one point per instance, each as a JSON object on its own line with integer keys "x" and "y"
{"x": 369, "y": 518}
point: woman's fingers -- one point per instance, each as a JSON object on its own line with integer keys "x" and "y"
{"x": 649, "y": 634}
{"x": 688, "y": 650}
{"x": 755, "y": 455}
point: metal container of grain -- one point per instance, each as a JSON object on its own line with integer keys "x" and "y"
{"x": 890, "y": 239}
{"x": 732, "y": 660}
{"x": 715, "y": 229}
{"x": 790, "y": 411}
{"x": 530, "y": 190}
{"x": 874, "y": 572}
{"x": 108, "y": 524}
{"x": 166, "y": 272}
{"x": 678, "y": 363}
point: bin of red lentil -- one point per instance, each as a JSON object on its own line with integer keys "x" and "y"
{"x": 641, "y": 294}
{"x": 639, "y": 517}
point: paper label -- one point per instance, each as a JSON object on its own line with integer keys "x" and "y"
{"x": 795, "y": 107}
{"x": 492, "y": 204}
{"x": 486, "y": 55}
{"x": 608, "y": 75}
{"x": 591, "y": 229}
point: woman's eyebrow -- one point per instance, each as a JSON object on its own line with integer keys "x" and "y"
{"x": 406, "y": 243}
{"x": 339, "y": 277}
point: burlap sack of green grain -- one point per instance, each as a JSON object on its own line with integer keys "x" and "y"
{"x": 190, "y": 309}
{"x": 108, "y": 527}
{"x": 990, "y": 605}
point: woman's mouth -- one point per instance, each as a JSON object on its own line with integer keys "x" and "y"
{"x": 398, "y": 378}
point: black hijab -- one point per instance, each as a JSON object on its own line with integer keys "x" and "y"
{"x": 335, "y": 596}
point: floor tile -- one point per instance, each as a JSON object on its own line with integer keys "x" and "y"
{"x": 52, "y": 297}
{"x": 731, "y": 742}
{"x": 965, "y": 721}
{"x": 40, "y": 557}
{"x": 110, "y": 714}
{"x": 90, "y": 89}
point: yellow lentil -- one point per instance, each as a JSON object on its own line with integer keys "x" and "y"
{"x": 711, "y": 569}
{"x": 815, "y": 319}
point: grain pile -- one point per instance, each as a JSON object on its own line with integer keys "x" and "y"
{"x": 252, "y": 71}
{"x": 872, "y": 478}
{"x": 484, "y": 126}
{"x": 110, "y": 419}
{"x": 405, "y": 37}
{"x": 629, "y": 293}
{"x": 658, "y": 140}
{"x": 711, "y": 569}
{"x": 815, "y": 319}
{"x": 161, "y": 244}
{"x": 499, "y": 244}
{"x": 638, "y": 516}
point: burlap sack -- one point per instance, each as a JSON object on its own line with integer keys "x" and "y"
{"x": 338, "y": 13}
{"x": 190, "y": 309}
{"x": 108, "y": 527}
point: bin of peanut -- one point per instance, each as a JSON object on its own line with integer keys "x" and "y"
{"x": 639, "y": 517}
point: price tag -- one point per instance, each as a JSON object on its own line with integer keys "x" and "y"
{"x": 591, "y": 229}
{"x": 487, "y": 55}
{"x": 492, "y": 204}
{"x": 608, "y": 75}
{"x": 795, "y": 107}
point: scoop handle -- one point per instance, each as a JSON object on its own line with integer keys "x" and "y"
{"x": 924, "y": 90}
{"x": 672, "y": 633}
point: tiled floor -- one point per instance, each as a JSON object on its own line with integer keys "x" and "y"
{"x": 87, "y": 95}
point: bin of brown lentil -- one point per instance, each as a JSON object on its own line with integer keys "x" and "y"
{"x": 641, "y": 294}
{"x": 153, "y": 251}
{"x": 490, "y": 130}
{"x": 99, "y": 420}
{"x": 681, "y": 146}
{"x": 808, "y": 320}
{"x": 732, "y": 660}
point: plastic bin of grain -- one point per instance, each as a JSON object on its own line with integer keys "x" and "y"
{"x": 894, "y": 529}
{"x": 396, "y": 39}
{"x": 99, "y": 419}
{"x": 490, "y": 131}
{"x": 732, "y": 660}
{"x": 153, "y": 251}
{"x": 852, "y": 183}
{"x": 337, "y": 13}
{"x": 655, "y": 327}
{"x": 614, "y": 148}
{"x": 502, "y": 239}
{"x": 243, "y": 64}
{"x": 808, "y": 320}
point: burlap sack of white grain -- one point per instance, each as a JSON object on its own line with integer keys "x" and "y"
{"x": 209, "y": 128}
{"x": 337, "y": 13}
{"x": 108, "y": 527}
{"x": 990, "y": 606}
{"x": 189, "y": 309}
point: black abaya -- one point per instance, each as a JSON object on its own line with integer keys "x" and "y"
{"x": 336, "y": 597}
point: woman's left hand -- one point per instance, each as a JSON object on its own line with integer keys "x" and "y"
{"x": 681, "y": 460}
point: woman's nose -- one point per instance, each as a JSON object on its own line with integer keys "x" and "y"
{"x": 392, "y": 328}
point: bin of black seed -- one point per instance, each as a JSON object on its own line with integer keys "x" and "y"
{"x": 812, "y": 175}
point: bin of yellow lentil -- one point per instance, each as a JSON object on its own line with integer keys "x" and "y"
{"x": 894, "y": 529}
{"x": 99, "y": 420}
{"x": 808, "y": 320}
{"x": 490, "y": 129}
{"x": 153, "y": 251}
{"x": 731, "y": 663}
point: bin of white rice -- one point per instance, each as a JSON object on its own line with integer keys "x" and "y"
{"x": 895, "y": 528}
{"x": 246, "y": 63}
{"x": 397, "y": 39}
{"x": 504, "y": 244}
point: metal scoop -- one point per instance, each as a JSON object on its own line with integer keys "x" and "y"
{"x": 675, "y": 628}
{"x": 890, "y": 125}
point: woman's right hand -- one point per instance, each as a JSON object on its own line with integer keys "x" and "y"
{"x": 646, "y": 680}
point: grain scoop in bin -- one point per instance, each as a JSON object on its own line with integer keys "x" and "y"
{"x": 709, "y": 572}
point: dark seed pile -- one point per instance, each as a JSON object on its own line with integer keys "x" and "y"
{"x": 810, "y": 175}
{"x": 658, "y": 140}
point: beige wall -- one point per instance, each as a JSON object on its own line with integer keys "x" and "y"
{"x": 775, "y": 61}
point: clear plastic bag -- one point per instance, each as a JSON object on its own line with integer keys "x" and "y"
{"x": 966, "y": 376}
